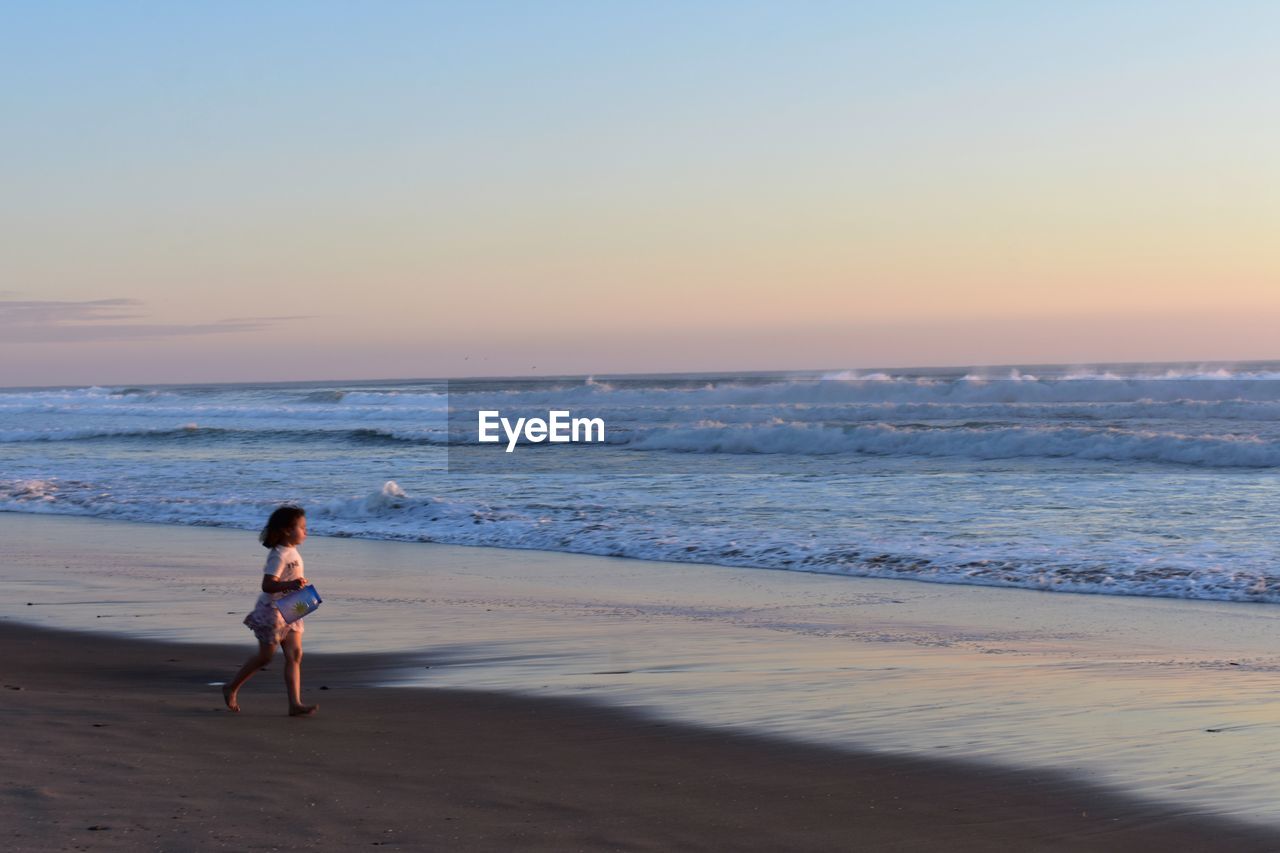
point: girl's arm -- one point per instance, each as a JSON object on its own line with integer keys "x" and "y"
{"x": 272, "y": 583}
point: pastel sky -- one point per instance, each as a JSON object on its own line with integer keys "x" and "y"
{"x": 239, "y": 191}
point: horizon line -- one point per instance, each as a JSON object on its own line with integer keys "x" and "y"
{"x": 643, "y": 374}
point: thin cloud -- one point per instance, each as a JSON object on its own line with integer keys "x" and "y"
{"x": 278, "y": 319}
{"x": 66, "y": 321}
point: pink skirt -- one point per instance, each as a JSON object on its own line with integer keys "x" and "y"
{"x": 268, "y": 625}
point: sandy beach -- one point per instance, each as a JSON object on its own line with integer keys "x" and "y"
{"x": 482, "y": 699}
{"x": 117, "y": 744}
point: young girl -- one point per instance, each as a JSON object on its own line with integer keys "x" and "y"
{"x": 285, "y": 531}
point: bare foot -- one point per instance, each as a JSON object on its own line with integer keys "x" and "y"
{"x": 303, "y": 710}
{"x": 229, "y": 696}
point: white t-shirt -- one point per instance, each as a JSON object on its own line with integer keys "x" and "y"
{"x": 285, "y": 563}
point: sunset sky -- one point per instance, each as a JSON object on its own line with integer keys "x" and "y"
{"x": 265, "y": 191}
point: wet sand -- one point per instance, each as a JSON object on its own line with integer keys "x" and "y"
{"x": 119, "y": 744}
{"x": 1168, "y": 701}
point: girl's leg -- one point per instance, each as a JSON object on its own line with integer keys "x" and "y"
{"x": 263, "y": 657}
{"x": 292, "y": 645}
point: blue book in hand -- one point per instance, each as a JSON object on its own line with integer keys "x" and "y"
{"x": 298, "y": 603}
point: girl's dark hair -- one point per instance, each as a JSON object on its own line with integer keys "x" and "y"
{"x": 282, "y": 520}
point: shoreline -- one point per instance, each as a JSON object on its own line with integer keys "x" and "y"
{"x": 129, "y": 736}
{"x": 542, "y": 555}
{"x": 544, "y": 552}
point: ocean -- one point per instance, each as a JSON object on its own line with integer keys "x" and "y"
{"x": 1145, "y": 480}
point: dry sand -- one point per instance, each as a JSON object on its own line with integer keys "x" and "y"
{"x": 113, "y": 743}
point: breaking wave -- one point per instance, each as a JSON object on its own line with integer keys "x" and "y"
{"x": 1116, "y": 445}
